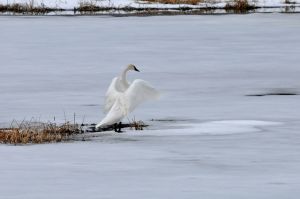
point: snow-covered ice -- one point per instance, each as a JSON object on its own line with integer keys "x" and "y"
{"x": 208, "y": 139}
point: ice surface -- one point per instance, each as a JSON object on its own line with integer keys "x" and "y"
{"x": 204, "y": 65}
{"x": 208, "y": 138}
{"x": 153, "y": 164}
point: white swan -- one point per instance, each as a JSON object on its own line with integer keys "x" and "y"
{"x": 123, "y": 97}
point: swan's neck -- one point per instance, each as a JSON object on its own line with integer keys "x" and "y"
{"x": 124, "y": 76}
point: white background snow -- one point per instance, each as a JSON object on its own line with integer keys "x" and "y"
{"x": 221, "y": 144}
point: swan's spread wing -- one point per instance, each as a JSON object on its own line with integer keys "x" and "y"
{"x": 111, "y": 95}
{"x": 138, "y": 92}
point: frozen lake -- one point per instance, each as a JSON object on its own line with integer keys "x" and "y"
{"x": 223, "y": 142}
{"x": 205, "y": 65}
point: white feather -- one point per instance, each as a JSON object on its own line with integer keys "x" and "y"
{"x": 114, "y": 90}
{"x": 139, "y": 92}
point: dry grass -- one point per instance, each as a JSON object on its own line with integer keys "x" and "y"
{"x": 189, "y": 2}
{"x": 90, "y": 6}
{"x": 37, "y": 133}
{"x": 289, "y": 2}
{"x": 138, "y": 125}
{"x": 26, "y": 8}
{"x": 3, "y": 7}
{"x": 239, "y": 6}
{"x": 30, "y": 7}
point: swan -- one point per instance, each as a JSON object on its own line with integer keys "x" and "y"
{"x": 122, "y": 97}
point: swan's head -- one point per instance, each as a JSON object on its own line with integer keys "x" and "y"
{"x": 132, "y": 67}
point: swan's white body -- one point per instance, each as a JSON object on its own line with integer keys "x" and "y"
{"x": 123, "y": 97}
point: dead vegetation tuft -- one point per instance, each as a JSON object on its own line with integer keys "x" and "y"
{"x": 239, "y": 6}
{"x": 189, "y": 2}
{"x": 289, "y": 2}
{"x": 138, "y": 125}
{"x": 37, "y": 133}
{"x": 26, "y": 8}
{"x": 88, "y": 6}
{"x": 3, "y": 8}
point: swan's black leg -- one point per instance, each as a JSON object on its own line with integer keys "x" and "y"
{"x": 115, "y": 127}
{"x": 119, "y": 127}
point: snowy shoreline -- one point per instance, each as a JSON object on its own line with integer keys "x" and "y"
{"x": 71, "y": 4}
{"x": 125, "y": 7}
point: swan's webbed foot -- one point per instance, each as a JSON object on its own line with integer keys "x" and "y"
{"x": 117, "y": 127}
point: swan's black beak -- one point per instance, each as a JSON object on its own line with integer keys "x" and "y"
{"x": 136, "y": 69}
